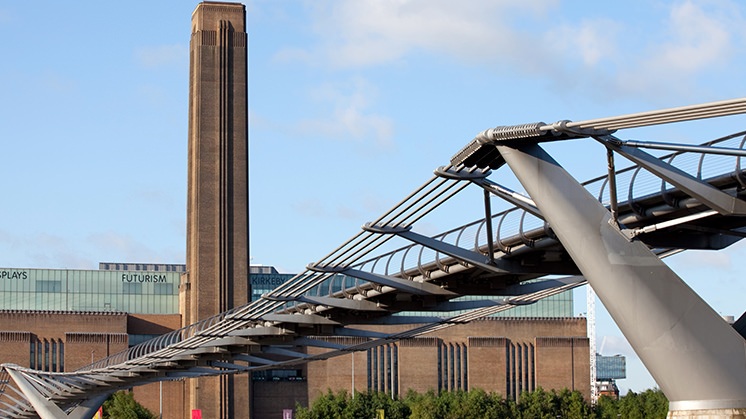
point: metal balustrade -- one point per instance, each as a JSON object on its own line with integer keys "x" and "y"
{"x": 515, "y": 228}
{"x": 511, "y": 232}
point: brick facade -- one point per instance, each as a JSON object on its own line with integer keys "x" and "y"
{"x": 505, "y": 356}
{"x": 63, "y": 341}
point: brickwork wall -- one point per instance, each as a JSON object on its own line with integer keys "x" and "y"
{"x": 54, "y": 324}
{"x": 152, "y": 324}
{"x": 173, "y": 393}
{"x": 336, "y": 373}
{"x": 563, "y": 362}
{"x": 487, "y": 363}
{"x": 14, "y": 347}
{"x": 507, "y": 356}
{"x": 81, "y": 348}
{"x": 418, "y": 364}
{"x": 581, "y": 365}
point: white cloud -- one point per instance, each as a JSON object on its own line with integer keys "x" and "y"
{"x": 592, "y": 41}
{"x": 372, "y": 32}
{"x": 571, "y": 47}
{"x": 697, "y": 39}
{"x": 349, "y": 118}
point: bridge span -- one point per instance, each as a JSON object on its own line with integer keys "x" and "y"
{"x": 612, "y": 232}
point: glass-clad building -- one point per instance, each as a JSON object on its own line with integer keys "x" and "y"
{"x": 154, "y": 289}
{"x": 611, "y": 367}
{"x": 118, "y": 287}
{"x": 264, "y": 279}
{"x": 144, "y": 292}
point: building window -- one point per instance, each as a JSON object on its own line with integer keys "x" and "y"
{"x": 48, "y": 286}
{"x": 277, "y": 375}
{"x": 132, "y": 288}
{"x": 164, "y": 289}
{"x": 61, "y": 356}
{"x": 46, "y": 355}
{"x": 54, "y": 355}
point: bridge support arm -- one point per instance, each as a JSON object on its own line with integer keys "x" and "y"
{"x": 46, "y": 409}
{"x": 712, "y": 197}
{"x": 698, "y": 360}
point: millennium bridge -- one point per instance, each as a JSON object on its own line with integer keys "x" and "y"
{"x": 611, "y": 232}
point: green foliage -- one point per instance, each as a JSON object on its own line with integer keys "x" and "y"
{"x": 478, "y": 404}
{"x": 459, "y": 404}
{"x": 122, "y": 405}
{"x": 650, "y": 404}
{"x": 343, "y": 406}
{"x": 606, "y": 408}
{"x": 540, "y": 404}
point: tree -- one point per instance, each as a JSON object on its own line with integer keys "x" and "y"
{"x": 423, "y": 406}
{"x": 573, "y": 406}
{"x": 654, "y": 403}
{"x": 122, "y": 405}
{"x": 537, "y": 404}
{"x": 328, "y": 406}
{"x": 344, "y": 406}
{"x": 606, "y": 408}
{"x": 477, "y": 404}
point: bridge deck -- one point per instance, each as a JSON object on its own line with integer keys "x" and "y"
{"x": 361, "y": 283}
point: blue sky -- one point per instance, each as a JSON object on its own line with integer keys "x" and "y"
{"x": 352, "y": 105}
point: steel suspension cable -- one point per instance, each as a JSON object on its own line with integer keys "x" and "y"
{"x": 662, "y": 116}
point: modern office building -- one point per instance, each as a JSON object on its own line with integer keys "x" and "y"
{"x": 608, "y": 370}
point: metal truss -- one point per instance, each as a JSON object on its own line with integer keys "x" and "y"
{"x": 514, "y": 256}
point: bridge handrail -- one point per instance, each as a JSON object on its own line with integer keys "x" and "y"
{"x": 525, "y": 229}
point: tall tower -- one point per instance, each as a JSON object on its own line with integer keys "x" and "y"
{"x": 217, "y": 277}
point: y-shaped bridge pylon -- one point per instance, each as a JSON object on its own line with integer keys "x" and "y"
{"x": 698, "y": 360}
{"x": 46, "y": 408}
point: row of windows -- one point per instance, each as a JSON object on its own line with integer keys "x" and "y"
{"x": 127, "y": 288}
{"x": 128, "y": 303}
{"x": 277, "y": 375}
{"x": 452, "y": 367}
{"x": 383, "y": 369}
{"x": 559, "y": 305}
{"x": 47, "y": 355}
{"x": 520, "y": 374}
{"x": 142, "y": 267}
